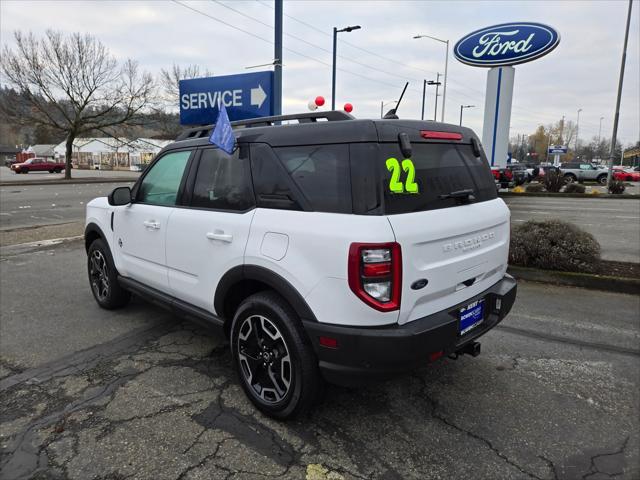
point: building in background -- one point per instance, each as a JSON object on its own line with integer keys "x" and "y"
{"x": 111, "y": 153}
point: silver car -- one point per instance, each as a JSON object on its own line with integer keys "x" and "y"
{"x": 583, "y": 172}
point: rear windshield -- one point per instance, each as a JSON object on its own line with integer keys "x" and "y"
{"x": 440, "y": 169}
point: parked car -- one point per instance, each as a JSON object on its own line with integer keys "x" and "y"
{"x": 10, "y": 161}
{"x": 37, "y": 164}
{"x": 538, "y": 170}
{"x": 581, "y": 172}
{"x": 519, "y": 171}
{"x": 503, "y": 177}
{"x": 346, "y": 250}
{"x": 626, "y": 175}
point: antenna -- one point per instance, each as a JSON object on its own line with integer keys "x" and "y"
{"x": 391, "y": 114}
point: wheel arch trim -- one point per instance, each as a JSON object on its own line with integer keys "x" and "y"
{"x": 261, "y": 274}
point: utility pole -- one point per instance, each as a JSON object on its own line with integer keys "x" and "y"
{"x": 277, "y": 55}
{"x": 617, "y": 115}
{"x": 435, "y": 110}
{"x": 577, "y": 130}
{"x": 562, "y": 130}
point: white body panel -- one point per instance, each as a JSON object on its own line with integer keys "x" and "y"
{"x": 315, "y": 263}
{"x": 142, "y": 229}
{"x": 202, "y": 245}
{"x": 448, "y": 247}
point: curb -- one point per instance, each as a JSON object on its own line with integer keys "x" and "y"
{"x": 623, "y": 196}
{"x": 574, "y": 279}
{"x": 73, "y": 181}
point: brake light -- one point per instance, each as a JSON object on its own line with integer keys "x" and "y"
{"x": 440, "y": 135}
{"x": 375, "y": 274}
{"x": 508, "y": 173}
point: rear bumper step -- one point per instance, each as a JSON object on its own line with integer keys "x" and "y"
{"x": 364, "y": 354}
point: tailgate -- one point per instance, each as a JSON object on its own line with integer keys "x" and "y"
{"x": 461, "y": 251}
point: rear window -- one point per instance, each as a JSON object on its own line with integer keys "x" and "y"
{"x": 440, "y": 169}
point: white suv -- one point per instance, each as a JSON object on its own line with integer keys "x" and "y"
{"x": 345, "y": 249}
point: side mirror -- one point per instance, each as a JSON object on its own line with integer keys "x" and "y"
{"x": 120, "y": 196}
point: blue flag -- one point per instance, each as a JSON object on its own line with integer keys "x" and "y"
{"x": 222, "y": 135}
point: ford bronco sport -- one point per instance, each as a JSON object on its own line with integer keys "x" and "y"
{"x": 342, "y": 249}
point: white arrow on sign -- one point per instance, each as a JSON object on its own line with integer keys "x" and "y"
{"x": 258, "y": 96}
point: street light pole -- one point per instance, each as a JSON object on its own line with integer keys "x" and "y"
{"x": 621, "y": 79}
{"x": 424, "y": 93}
{"x": 600, "y": 129}
{"x": 577, "y": 130}
{"x": 446, "y": 69}
{"x": 333, "y": 76}
{"x": 462, "y": 107}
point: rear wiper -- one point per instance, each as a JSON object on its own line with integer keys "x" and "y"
{"x": 462, "y": 194}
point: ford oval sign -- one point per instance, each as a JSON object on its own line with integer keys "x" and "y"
{"x": 506, "y": 44}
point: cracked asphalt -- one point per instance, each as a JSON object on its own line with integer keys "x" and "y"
{"x": 138, "y": 393}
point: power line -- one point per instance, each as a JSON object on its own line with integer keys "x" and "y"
{"x": 402, "y": 77}
{"x": 285, "y": 48}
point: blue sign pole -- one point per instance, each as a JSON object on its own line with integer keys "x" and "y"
{"x": 244, "y": 96}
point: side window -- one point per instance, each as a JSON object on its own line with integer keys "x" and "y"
{"x": 585, "y": 166}
{"x": 270, "y": 181}
{"x": 161, "y": 184}
{"x": 222, "y": 181}
{"x": 322, "y": 173}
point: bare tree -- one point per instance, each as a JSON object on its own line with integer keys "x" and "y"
{"x": 170, "y": 80}
{"x": 74, "y": 85}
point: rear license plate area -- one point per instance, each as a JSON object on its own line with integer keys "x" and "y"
{"x": 471, "y": 316}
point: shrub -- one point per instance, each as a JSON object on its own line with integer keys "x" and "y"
{"x": 518, "y": 189}
{"x": 535, "y": 187}
{"x": 553, "y": 181}
{"x": 574, "y": 188}
{"x": 595, "y": 192}
{"x": 616, "y": 187}
{"x": 553, "y": 245}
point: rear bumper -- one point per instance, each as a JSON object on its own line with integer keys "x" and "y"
{"x": 364, "y": 354}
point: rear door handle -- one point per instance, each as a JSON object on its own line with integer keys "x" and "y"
{"x": 221, "y": 236}
{"x": 151, "y": 224}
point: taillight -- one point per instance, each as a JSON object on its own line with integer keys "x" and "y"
{"x": 508, "y": 173}
{"x": 375, "y": 274}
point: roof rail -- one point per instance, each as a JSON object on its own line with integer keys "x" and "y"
{"x": 310, "y": 117}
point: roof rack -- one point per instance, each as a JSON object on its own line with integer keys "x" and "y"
{"x": 310, "y": 117}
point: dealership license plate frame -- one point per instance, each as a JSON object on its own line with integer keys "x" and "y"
{"x": 466, "y": 322}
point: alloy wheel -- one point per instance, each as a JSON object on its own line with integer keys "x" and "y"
{"x": 99, "y": 273}
{"x": 264, "y": 359}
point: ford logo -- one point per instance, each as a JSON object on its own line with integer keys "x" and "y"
{"x": 506, "y": 44}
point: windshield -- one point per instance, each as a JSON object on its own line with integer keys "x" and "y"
{"x": 445, "y": 175}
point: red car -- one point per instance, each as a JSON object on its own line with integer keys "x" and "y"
{"x": 37, "y": 165}
{"x": 503, "y": 177}
{"x": 626, "y": 175}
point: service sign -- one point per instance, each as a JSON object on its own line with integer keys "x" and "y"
{"x": 506, "y": 44}
{"x": 247, "y": 95}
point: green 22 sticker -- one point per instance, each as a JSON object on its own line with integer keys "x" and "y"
{"x": 395, "y": 185}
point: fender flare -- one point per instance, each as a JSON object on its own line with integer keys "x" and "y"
{"x": 93, "y": 228}
{"x": 268, "y": 277}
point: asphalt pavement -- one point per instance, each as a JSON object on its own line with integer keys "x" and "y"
{"x": 34, "y": 205}
{"x": 7, "y": 175}
{"x": 137, "y": 393}
{"x": 614, "y": 223}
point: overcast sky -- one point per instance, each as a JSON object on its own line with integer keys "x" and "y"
{"x": 581, "y": 73}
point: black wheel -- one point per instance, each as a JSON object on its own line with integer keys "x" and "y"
{"x": 277, "y": 367}
{"x": 103, "y": 277}
{"x": 602, "y": 179}
{"x": 57, "y": 170}
{"x": 24, "y": 170}
{"x": 570, "y": 178}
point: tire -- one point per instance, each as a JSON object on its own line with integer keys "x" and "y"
{"x": 266, "y": 331}
{"x": 51, "y": 171}
{"x": 602, "y": 179}
{"x": 570, "y": 178}
{"x": 24, "y": 170}
{"x": 57, "y": 170}
{"x": 103, "y": 277}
